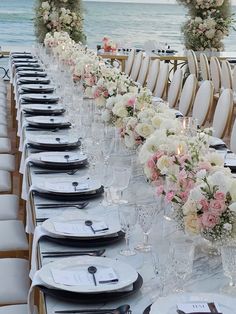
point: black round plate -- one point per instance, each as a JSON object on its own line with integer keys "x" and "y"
{"x": 59, "y": 166}
{"x": 87, "y": 298}
{"x": 70, "y": 196}
{"x": 147, "y": 310}
{"x": 55, "y": 147}
{"x": 32, "y": 80}
{"x": 41, "y": 112}
{"x": 88, "y": 242}
{"x": 50, "y": 125}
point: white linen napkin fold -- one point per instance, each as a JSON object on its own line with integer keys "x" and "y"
{"x": 30, "y": 302}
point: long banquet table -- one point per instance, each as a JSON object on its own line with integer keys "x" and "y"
{"x": 207, "y": 274}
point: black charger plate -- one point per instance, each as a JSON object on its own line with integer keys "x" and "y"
{"x": 86, "y": 242}
{"x": 88, "y": 298}
{"x": 32, "y": 74}
{"x": 47, "y": 111}
{"x": 34, "y": 80}
{"x": 40, "y": 100}
{"x": 59, "y": 166}
{"x": 147, "y": 310}
{"x": 70, "y": 196}
{"x": 27, "y": 64}
{"x": 29, "y": 68}
{"x": 49, "y": 126}
{"x": 38, "y": 89}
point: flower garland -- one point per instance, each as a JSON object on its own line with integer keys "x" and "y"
{"x": 209, "y": 23}
{"x": 188, "y": 176}
{"x": 59, "y": 16}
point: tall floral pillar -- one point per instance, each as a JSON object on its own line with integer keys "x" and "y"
{"x": 59, "y": 16}
{"x": 208, "y": 23}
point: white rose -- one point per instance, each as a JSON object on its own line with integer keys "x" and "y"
{"x": 45, "y": 5}
{"x": 196, "y": 194}
{"x": 129, "y": 139}
{"x": 120, "y": 110}
{"x": 163, "y": 164}
{"x": 144, "y": 129}
{"x": 100, "y": 101}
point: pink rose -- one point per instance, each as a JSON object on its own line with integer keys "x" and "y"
{"x": 131, "y": 102}
{"x": 218, "y": 206}
{"x": 209, "y": 220}
{"x": 184, "y": 195}
{"x": 204, "y": 203}
{"x": 96, "y": 93}
{"x": 160, "y": 189}
{"x": 155, "y": 176}
{"x": 204, "y": 165}
{"x": 219, "y": 196}
{"x": 169, "y": 196}
{"x": 151, "y": 164}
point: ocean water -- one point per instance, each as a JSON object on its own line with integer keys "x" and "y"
{"x": 132, "y": 23}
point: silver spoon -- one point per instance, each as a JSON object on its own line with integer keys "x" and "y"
{"x": 123, "y": 309}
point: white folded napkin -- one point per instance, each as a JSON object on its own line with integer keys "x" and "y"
{"x": 196, "y": 307}
{"x": 215, "y": 141}
{"x": 82, "y": 277}
{"x": 230, "y": 160}
{"x": 99, "y": 227}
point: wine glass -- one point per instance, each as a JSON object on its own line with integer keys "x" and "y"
{"x": 182, "y": 252}
{"x": 107, "y": 183}
{"x": 146, "y": 215}
{"x": 228, "y": 254}
{"x": 128, "y": 218}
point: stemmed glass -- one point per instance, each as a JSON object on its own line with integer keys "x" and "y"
{"x": 182, "y": 253}
{"x": 128, "y": 218}
{"x": 121, "y": 181}
{"x": 228, "y": 254}
{"x": 107, "y": 183}
{"x": 146, "y": 216}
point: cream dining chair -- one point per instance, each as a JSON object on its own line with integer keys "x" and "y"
{"x": 175, "y": 88}
{"x": 162, "y": 80}
{"x": 204, "y": 67}
{"x": 192, "y": 63}
{"x": 143, "y": 70}
{"x": 202, "y": 103}
{"x": 14, "y": 278}
{"x": 223, "y": 114}
{"x": 187, "y": 95}
{"x": 233, "y": 138}
{"x": 153, "y": 74}
{"x": 129, "y": 62}
{"x": 226, "y": 75}
{"x": 215, "y": 73}
{"x": 136, "y": 66}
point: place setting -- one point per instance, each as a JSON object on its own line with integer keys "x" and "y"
{"x": 32, "y": 74}
{"x": 48, "y": 122}
{"x": 89, "y": 279}
{"x": 52, "y": 142}
{"x": 56, "y": 161}
{"x": 37, "y": 88}
{"x": 69, "y": 188}
{"x": 33, "y": 80}
{"x": 40, "y": 109}
{"x": 39, "y": 98}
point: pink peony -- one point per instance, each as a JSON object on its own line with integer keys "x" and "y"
{"x": 209, "y": 220}
{"x": 151, "y": 163}
{"x": 155, "y": 176}
{"x": 184, "y": 195}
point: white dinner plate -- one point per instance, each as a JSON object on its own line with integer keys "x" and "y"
{"x": 86, "y": 232}
{"x": 40, "y": 97}
{"x": 65, "y": 186}
{"x": 51, "y": 139}
{"x": 167, "y": 305}
{"x": 47, "y": 120}
{"x": 59, "y": 157}
{"x": 126, "y": 274}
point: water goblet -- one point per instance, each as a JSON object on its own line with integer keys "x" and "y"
{"x": 128, "y": 218}
{"x": 107, "y": 183}
{"x": 228, "y": 254}
{"x": 146, "y": 215}
{"x": 121, "y": 181}
{"x": 182, "y": 253}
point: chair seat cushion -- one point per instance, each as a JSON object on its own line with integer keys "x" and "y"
{"x": 9, "y": 207}
{"x": 5, "y": 145}
{"x": 5, "y": 181}
{"x": 7, "y": 162}
{"x": 3, "y": 130}
{"x": 12, "y": 236}
{"x": 14, "y": 309}
{"x": 14, "y": 278}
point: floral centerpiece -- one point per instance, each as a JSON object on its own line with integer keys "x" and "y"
{"x": 57, "y": 16}
{"x": 108, "y": 44}
{"x": 209, "y": 23}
